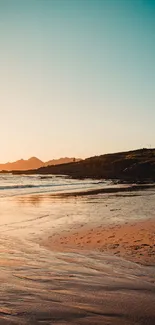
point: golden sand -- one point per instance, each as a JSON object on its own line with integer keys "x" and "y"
{"x": 132, "y": 241}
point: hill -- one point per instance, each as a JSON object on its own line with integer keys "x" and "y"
{"x": 34, "y": 163}
{"x": 136, "y": 165}
{"x": 60, "y": 161}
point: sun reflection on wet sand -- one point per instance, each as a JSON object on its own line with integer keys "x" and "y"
{"x": 43, "y": 286}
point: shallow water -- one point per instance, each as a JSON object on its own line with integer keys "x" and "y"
{"x": 38, "y": 286}
{"x": 12, "y": 185}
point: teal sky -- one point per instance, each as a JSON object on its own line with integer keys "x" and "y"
{"x": 77, "y": 77}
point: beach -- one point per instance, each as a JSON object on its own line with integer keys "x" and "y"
{"x": 77, "y": 162}
{"x": 69, "y": 258}
{"x": 133, "y": 240}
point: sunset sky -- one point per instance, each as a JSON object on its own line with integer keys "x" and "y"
{"x": 77, "y": 77}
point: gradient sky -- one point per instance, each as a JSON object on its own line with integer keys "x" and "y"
{"x": 77, "y": 77}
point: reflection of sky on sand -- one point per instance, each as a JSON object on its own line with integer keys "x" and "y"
{"x": 42, "y": 287}
{"x": 39, "y": 286}
{"x": 24, "y": 215}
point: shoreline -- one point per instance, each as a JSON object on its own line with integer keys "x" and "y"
{"x": 57, "y": 251}
{"x": 133, "y": 238}
{"x": 107, "y": 190}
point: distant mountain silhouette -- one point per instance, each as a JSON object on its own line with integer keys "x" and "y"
{"x": 34, "y": 163}
{"x": 135, "y": 166}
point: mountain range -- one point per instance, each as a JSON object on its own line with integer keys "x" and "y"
{"x": 34, "y": 163}
{"x": 134, "y": 166}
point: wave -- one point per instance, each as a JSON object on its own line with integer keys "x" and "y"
{"x": 27, "y": 186}
{"x": 13, "y": 187}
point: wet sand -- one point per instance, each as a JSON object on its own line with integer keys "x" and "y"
{"x": 57, "y": 268}
{"x": 132, "y": 241}
{"x": 40, "y": 287}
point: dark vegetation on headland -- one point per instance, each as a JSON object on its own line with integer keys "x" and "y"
{"x": 136, "y": 165}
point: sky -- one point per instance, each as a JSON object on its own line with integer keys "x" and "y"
{"x": 77, "y": 77}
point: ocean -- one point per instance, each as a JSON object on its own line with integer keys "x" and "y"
{"x": 11, "y": 185}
